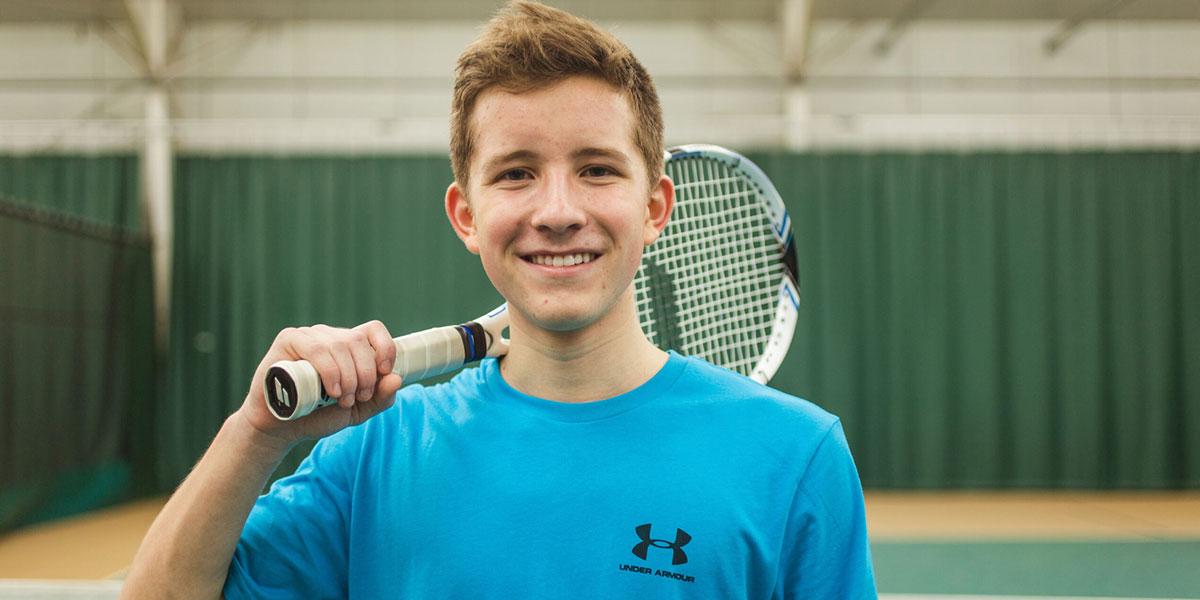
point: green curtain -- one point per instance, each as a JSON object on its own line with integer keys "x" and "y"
{"x": 1001, "y": 319}
{"x": 986, "y": 319}
{"x": 267, "y": 242}
{"x": 76, "y": 337}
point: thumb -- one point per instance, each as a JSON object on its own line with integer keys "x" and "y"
{"x": 385, "y": 390}
{"x": 385, "y": 397}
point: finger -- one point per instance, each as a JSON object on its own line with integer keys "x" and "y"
{"x": 385, "y": 397}
{"x": 309, "y": 346}
{"x": 312, "y": 345}
{"x": 385, "y": 349}
{"x": 339, "y": 349}
{"x": 364, "y": 365}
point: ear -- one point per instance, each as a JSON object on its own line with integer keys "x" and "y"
{"x": 658, "y": 210}
{"x": 461, "y": 217}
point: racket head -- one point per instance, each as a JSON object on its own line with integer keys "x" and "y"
{"x": 720, "y": 283}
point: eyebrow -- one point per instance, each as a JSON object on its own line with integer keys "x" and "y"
{"x": 610, "y": 153}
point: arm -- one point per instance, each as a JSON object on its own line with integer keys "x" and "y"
{"x": 826, "y": 553}
{"x": 188, "y": 548}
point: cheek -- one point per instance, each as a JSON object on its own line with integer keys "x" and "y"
{"x": 495, "y": 231}
{"x": 633, "y": 244}
{"x": 632, "y": 225}
{"x": 633, "y": 262}
{"x": 493, "y": 268}
{"x": 493, "y": 226}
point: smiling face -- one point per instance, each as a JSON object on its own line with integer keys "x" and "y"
{"x": 559, "y": 205}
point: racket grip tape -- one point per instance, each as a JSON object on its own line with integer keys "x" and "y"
{"x": 293, "y": 388}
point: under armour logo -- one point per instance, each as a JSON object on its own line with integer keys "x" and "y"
{"x": 681, "y": 540}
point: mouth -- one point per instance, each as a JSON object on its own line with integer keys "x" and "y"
{"x": 561, "y": 260}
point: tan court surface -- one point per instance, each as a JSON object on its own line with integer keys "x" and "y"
{"x": 100, "y": 544}
{"x": 1059, "y": 516}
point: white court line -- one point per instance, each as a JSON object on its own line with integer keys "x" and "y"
{"x": 38, "y": 589}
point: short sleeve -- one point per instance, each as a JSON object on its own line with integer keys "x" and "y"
{"x": 826, "y": 553}
{"x": 295, "y": 542}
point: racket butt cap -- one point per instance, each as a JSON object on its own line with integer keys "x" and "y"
{"x": 293, "y": 389}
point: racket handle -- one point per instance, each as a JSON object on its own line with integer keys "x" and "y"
{"x": 293, "y": 388}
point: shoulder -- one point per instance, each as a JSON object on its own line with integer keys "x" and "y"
{"x": 706, "y": 383}
{"x": 753, "y": 417}
{"x": 419, "y": 404}
{"x": 466, "y": 383}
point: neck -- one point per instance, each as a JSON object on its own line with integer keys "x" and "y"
{"x": 596, "y": 362}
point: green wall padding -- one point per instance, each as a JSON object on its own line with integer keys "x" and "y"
{"x": 65, "y": 493}
{"x": 1001, "y": 319}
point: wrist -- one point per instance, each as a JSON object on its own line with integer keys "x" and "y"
{"x": 258, "y": 440}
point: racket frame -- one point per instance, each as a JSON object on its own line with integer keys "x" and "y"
{"x": 787, "y": 303}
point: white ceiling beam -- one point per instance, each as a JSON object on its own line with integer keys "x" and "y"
{"x": 155, "y": 23}
{"x": 796, "y": 23}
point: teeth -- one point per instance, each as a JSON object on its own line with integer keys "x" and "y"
{"x": 568, "y": 260}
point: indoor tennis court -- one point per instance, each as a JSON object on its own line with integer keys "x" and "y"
{"x": 993, "y": 210}
{"x": 942, "y": 545}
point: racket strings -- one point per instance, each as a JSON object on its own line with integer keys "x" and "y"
{"x": 709, "y": 287}
{"x": 740, "y": 346}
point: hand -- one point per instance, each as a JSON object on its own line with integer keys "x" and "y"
{"x": 354, "y": 365}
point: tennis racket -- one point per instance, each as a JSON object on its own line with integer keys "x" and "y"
{"x": 720, "y": 283}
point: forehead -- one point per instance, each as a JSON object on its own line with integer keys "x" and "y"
{"x": 578, "y": 111}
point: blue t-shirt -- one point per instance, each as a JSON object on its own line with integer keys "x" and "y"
{"x": 701, "y": 483}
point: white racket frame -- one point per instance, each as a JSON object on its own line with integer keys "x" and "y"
{"x": 787, "y": 308}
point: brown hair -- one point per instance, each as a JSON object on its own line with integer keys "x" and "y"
{"x": 527, "y": 46}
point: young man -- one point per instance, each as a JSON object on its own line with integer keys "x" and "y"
{"x": 587, "y": 463}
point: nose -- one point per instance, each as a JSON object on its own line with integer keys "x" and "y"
{"x": 559, "y": 208}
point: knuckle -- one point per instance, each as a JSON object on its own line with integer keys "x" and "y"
{"x": 374, "y": 330}
{"x": 330, "y": 376}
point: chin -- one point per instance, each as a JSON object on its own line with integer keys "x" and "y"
{"x": 567, "y": 311}
{"x": 561, "y": 321}
{"x": 554, "y": 316}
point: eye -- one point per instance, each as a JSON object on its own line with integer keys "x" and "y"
{"x": 515, "y": 175}
{"x": 598, "y": 171}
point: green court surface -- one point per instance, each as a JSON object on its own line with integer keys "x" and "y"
{"x": 1123, "y": 569}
